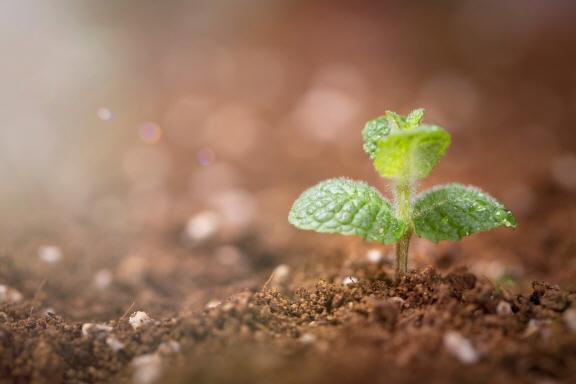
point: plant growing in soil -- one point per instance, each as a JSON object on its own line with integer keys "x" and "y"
{"x": 403, "y": 150}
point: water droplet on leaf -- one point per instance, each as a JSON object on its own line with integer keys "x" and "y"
{"x": 505, "y": 218}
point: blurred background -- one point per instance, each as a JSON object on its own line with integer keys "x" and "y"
{"x": 156, "y": 146}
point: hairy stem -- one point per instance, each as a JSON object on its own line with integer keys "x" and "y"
{"x": 402, "y": 247}
{"x": 403, "y": 203}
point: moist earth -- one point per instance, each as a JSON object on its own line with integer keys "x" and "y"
{"x": 429, "y": 326}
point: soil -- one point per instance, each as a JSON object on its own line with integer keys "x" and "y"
{"x": 429, "y": 326}
{"x": 254, "y": 312}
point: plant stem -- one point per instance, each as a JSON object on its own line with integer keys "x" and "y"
{"x": 403, "y": 202}
{"x": 402, "y": 247}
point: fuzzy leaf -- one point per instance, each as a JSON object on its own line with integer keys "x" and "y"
{"x": 453, "y": 211}
{"x": 395, "y": 120}
{"x": 378, "y": 128}
{"x": 411, "y": 153}
{"x": 346, "y": 207}
{"x": 415, "y": 117}
{"x": 374, "y": 130}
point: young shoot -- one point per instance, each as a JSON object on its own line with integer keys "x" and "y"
{"x": 404, "y": 151}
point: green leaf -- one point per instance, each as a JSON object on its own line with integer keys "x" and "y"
{"x": 415, "y": 117}
{"x": 453, "y": 211}
{"x": 411, "y": 153}
{"x": 378, "y": 128}
{"x": 346, "y": 207}
{"x": 373, "y": 132}
{"x": 395, "y": 120}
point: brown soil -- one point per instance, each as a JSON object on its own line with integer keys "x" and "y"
{"x": 243, "y": 323}
{"x": 370, "y": 330}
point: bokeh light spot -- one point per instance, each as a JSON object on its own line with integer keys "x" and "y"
{"x": 150, "y": 133}
{"x": 104, "y": 114}
{"x": 205, "y": 156}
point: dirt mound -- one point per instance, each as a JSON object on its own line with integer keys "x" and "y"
{"x": 432, "y": 327}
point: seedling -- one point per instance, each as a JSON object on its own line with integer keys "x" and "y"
{"x": 403, "y": 150}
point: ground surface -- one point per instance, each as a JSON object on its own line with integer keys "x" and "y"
{"x": 439, "y": 328}
{"x": 333, "y": 316}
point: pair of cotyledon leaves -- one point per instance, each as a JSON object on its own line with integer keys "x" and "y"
{"x": 402, "y": 149}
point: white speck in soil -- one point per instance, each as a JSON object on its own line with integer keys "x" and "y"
{"x": 49, "y": 311}
{"x": 50, "y": 254}
{"x": 307, "y": 338}
{"x": 147, "y": 368}
{"x": 138, "y": 319}
{"x": 460, "y": 347}
{"x": 213, "y": 304}
{"x": 374, "y": 256}
{"x": 103, "y": 279}
{"x": 168, "y": 347}
{"x": 280, "y": 276}
{"x": 570, "y": 319}
{"x": 114, "y": 344}
{"x": 397, "y": 300}
{"x": 504, "y": 308}
{"x": 9, "y": 295}
{"x": 532, "y": 328}
{"x": 94, "y": 329}
{"x": 202, "y": 226}
{"x": 492, "y": 269}
{"x": 349, "y": 280}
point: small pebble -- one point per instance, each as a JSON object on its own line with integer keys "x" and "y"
{"x": 570, "y": 318}
{"x": 202, "y": 226}
{"x": 374, "y": 256}
{"x": 307, "y": 338}
{"x": 138, "y": 319}
{"x": 102, "y": 279}
{"x": 168, "y": 347}
{"x": 9, "y": 295}
{"x": 50, "y": 254}
{"x": 49, "y": 311}
{"x": 280, "y": 276}
{"x": 493, "y": 269}
{"x": 147, "y": 368}
{"x": 213, "y": 304}
{"x": 92, "y": 328}
{"x": 532, "y": 328}
{"x": 397, "y": 299}
{"x": 349, "y": 280}
{"x": 114, "y": 343}
{"x": 504, "y": 308}
{"x": 460, "y": 347}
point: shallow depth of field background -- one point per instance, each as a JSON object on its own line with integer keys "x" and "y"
{"x": 129, "y": 126}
